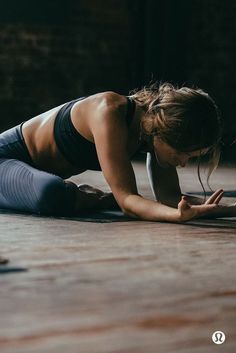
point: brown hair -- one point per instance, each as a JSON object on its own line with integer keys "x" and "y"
{"x": 186, "y": 118}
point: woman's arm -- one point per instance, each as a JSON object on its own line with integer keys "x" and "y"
{"x": 164, "y": 182}
{"x": 111, "y": 138}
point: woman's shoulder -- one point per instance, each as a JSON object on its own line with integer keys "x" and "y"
{"x": 100, "y": 109}
{"x": 109, "y": 101}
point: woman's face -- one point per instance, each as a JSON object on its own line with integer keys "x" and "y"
{"x": 167, "y": 156}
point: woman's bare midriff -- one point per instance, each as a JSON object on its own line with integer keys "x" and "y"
{"x": 38, "y": 134}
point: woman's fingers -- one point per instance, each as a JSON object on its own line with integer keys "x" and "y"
{"x": 215, "y": 197}
{"x": 219, "y": 197}
{"x": 188, "y": 211}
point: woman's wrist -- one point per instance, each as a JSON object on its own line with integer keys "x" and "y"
{"x": 175, "y": 216}
{"x": 166, "y": 213}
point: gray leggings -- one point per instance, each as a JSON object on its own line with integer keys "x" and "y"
{"x": 27, "y": 189}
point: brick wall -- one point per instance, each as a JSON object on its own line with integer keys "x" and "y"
{"x": 211, "y": 58}
{"x": 211, "y": 54}
{"x": 53, "y": 51}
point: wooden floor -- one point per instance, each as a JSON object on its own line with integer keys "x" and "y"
{"x": 124, "y": 287}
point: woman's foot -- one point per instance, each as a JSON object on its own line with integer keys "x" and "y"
{"x": 105, "y": 200}
{"x": 89, "y": 197}
{"x": 89, "y": 189}
{"x": 108, "y": 201}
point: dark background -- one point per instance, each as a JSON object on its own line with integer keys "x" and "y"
{"x": 52, "y": 51}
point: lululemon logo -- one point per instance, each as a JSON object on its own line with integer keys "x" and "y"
{"x": 218, "y": 337}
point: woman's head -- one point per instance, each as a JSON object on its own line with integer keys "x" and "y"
{"x": 181, "y": 123}
{"x": 186, "y": 119}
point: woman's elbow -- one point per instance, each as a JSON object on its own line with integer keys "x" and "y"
{"x": 127, "y": 206}
{"x": 127, "y": 213}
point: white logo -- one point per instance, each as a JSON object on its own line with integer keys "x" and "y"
{"x": 218, "y": 337}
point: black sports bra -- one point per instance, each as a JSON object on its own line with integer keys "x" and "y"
{"x": 79, "y": 151}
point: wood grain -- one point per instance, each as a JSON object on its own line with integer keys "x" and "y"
{"x": 124, "y": 287}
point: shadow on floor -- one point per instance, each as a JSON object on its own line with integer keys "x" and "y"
{"x": 110, "y": 216}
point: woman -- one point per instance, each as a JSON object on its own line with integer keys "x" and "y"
{"x": 103, "y": 132}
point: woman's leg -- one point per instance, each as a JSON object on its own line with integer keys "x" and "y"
{"x": 28, "y": 189}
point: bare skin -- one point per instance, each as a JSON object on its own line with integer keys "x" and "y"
{"x": 101, "y": 119}
{"x": 39, "y": 139}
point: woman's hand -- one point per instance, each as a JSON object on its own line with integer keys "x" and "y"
{"x": 187, "y": 211}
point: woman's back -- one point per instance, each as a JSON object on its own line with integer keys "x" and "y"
{"x": 39, "y": 132}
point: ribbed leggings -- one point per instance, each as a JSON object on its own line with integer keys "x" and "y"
{"x": 25, "y": 188}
